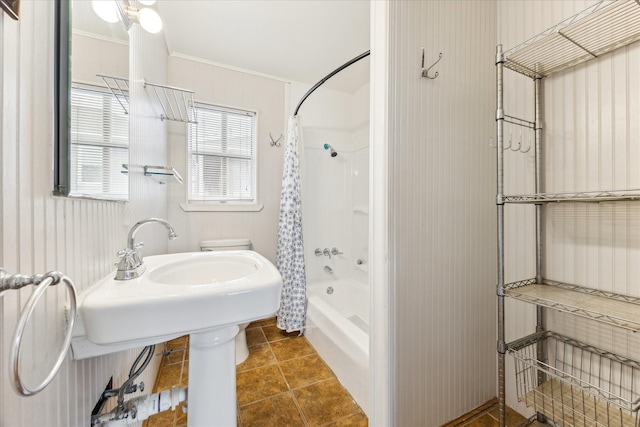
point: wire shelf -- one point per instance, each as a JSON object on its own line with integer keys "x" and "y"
{"x": 119, "y": 88}
{"x": 575, "y": 384}
{"x": 582, "y": 197}
{"x": 177, "y": 104}
{"x": 606, "y": 307}
{"x": 603, "y": 27}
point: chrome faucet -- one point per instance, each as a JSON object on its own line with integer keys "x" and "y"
{"x": 131, "y": 264}
{"x": 328, "y": 269}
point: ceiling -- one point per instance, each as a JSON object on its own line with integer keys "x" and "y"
{"x": 295, "y": 40}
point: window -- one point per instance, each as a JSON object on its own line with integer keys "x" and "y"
{"x": 222, "y": 156}
{"x": 99, "y": 145}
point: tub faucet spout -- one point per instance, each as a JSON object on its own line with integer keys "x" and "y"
{"x": 328, "y": 269}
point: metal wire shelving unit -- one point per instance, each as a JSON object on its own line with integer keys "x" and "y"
{"x": 566, "y": 382}
{"x": 576, "y": 384}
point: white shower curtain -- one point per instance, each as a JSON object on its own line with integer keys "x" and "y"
{"x": 290, "y": 254}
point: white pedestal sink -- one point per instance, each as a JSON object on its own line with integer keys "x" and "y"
{"x": 203, "y": 294}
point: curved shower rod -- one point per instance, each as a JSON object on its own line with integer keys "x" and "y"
{"x": 331, "y": 74}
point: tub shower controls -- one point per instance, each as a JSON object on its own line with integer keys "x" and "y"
{"x": 328, "y": 252}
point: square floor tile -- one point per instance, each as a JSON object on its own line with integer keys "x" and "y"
{"x": 325, "y": 402}
{"x": 305, "y": 370}
{"x": 291, "y": 348}
{"x": 273, "y": 333}
{"x": 259, "y": 383}
{"x": 513, "y": 418}
{"x": 263, "y": 322}
{"x": 259, "y": 355}
{"x": 356, "y": 420}
{"x": 485, "y": 420}
{"x": 276, "y": 411}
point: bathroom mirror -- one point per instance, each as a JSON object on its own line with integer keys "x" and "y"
{"x": 92, "y": 73}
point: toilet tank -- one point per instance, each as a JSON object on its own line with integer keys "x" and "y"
{"x": 225, "y": 245}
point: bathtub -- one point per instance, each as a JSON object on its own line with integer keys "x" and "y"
{"x": 338, "y": 328}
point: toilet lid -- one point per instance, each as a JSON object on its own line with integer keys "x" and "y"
{"x": 225, "y": 243}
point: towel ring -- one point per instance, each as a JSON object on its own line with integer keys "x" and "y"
{"x": 50, "y": 278}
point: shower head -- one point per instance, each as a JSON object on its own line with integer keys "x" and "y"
{"x": 333, "y": 152}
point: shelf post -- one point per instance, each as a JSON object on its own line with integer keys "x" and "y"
{"x": 537, "y": 81}
{"x": 500, "y": 227}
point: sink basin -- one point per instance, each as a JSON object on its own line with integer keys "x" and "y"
{"x": 181, "y": 294}
{"x": 203, "y": 270}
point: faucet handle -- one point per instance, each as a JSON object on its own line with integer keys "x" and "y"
{"x": 335, "y": 251}
{"x": 130, "y": 264}
{"x": 138, "y": 245}
{"x": 124, "y": 252}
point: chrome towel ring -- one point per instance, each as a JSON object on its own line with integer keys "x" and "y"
{"x": 43, "y": 282}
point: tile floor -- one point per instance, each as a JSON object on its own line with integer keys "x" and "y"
{"x": 487, "y": 416}
{"x": 283, "y": 383}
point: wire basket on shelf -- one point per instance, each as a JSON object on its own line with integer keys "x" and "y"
{"x": 575, "y": 384}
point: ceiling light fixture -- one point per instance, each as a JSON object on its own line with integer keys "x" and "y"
{"x": 120, "y": 10}
{"x": 107, "y": 10}
{"x": 149, "y": 20}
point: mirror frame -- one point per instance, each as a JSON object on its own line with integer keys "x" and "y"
{"x": 62, "y": 39}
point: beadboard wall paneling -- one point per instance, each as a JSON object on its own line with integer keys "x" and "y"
{"x": 230, "y": 88}
{"x": 39, "y": 233}
{"x": 148, "y": 61}
{"x": 590, "y": 141}
{"x": 442, "y": 205}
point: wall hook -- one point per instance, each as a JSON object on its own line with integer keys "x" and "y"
{"x": 519, "y": 143}
{"x": 527, "y": 150}
{"x": 425, "y": 71}
{"x": 510, "y": 143}
{"x": 276, "y": 142}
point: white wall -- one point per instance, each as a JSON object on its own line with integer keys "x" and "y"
{"x": 442, "y": 202}
{"x": 236, "y": 89}
{"x": 589, "y": 143}
{"x": 39, "y": 232}
{"x": 333, "y": 187}
{"x": 93, "y": 55}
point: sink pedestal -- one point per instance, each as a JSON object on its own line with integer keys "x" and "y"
{"x": 211, "y": 400}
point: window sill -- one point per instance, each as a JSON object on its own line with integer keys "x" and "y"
{"x": 205, "y": 207}
{"x": 88, "y": 198}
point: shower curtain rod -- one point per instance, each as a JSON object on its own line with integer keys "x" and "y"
{"x": 331, "y": 74}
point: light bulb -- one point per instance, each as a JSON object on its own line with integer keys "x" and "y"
{"x": 147, "y": 2}
{"x": 150, "y": 20}
{"x": 106, "y": 10}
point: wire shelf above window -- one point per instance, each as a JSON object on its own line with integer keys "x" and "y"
{"x": 177, "y": 104}
{"x": 119, "y": 88}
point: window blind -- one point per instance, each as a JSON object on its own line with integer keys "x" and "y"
{"x": 222, "y": 156}
{"x": 99, "y": 145}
